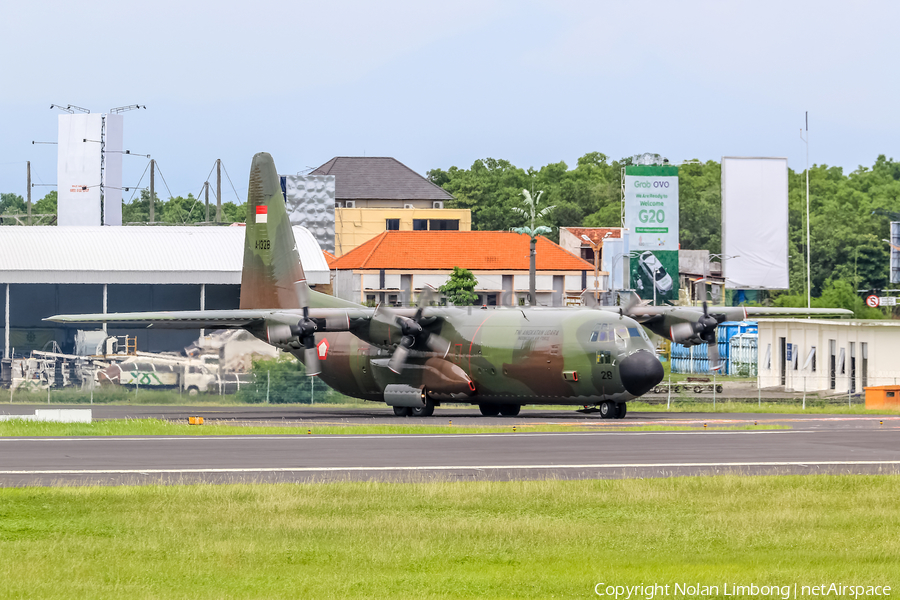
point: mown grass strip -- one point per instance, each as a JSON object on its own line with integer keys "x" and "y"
{"x": 534, "y": 539}
{"x": 130, "y": 427}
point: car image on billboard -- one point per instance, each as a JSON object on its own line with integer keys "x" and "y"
{"x": 656, "y": 272}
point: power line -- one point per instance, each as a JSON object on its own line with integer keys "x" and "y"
{"x": 232, "y": 185}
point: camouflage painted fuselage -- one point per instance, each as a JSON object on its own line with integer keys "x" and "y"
{"x": 546, "y": 356}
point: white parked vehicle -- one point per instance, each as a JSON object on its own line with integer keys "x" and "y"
{"x": 656, "y": 272}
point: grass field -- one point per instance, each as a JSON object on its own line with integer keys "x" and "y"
{"x": 538, "y": 539}
{"x": 130, "y": 427}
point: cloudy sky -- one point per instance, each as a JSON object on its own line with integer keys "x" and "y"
{"x": 438, "y": 84}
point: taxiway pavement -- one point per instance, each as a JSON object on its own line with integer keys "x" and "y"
{"x": 815, "y": 444}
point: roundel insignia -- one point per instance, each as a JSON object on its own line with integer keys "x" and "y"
{"x": 872, "y": 301}
{"x": 322, "y": 349}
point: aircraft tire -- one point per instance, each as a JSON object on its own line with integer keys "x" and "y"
{"x": 608, "y": 410}
{"x": 621, "y": 409}
{"x": 402, "y": 411}
{"x": 489, "y": 410}
{"x": 425, "y": 411}
{"x": 510, "y": 410}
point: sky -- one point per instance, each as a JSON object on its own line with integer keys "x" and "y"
{"x": 441, "y": 84}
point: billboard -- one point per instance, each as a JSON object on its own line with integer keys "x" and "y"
{"x": 78, "y": 169}
{"x": 755, "y": 223}
{"x": 89, "y": 155}
{"x": 112, "y": 169}
{"x": 651, "y": 218}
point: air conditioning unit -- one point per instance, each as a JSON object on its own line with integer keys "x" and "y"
{"x": 349, "y": 204}
{"x": 408, "y": 206}
{"x": 437, "y": 204}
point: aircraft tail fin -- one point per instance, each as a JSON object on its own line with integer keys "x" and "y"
{"x": 272, "y": 271}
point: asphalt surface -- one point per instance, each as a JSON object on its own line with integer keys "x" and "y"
{"x": 815, "y": 444}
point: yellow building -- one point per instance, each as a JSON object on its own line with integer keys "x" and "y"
{"x": 377, "y": 194}
{"x": 353, "y": 227}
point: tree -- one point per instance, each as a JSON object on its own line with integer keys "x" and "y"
{"x": 46, "y": 205}
{"x": 532, "y": 214}
{"x": 460, "y": 288}
{"x": 11, "y": 204}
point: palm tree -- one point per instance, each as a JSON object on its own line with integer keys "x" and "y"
{"x": 532, "y": 214}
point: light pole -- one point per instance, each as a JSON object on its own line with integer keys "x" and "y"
{"x": 653, "y": 283}
{"x": 596, "y": 248}
{"x": 706, "y": 275}
{"x": 808, "y": 280}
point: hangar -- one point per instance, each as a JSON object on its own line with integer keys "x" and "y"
{"x": 54, "y": 270}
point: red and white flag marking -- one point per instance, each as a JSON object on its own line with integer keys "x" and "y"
{"x": 262, "y": 214}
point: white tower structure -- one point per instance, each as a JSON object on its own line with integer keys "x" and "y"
{"x": 89, "y": 169}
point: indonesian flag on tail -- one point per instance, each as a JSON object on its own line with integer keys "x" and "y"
{"x": 262, "y": 215}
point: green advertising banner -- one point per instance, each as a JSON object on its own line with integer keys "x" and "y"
{"x": 651, "y": 217}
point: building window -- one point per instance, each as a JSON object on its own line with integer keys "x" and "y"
{"x": 492, "y": 299}
{"x": 444, "y": 224}
{"x": 392, "y": 224}
{"x": 587, "y": 254}
{"x": 420, "y": 224}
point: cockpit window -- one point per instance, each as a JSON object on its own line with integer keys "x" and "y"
{"x": 633, "y": 332}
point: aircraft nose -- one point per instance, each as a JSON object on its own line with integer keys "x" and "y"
{"x": 640, "y": 372}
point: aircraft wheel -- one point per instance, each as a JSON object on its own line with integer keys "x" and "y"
{"x": 510, "y": 410}
{"x": 425, "y": 411}
{"x": 621, "y": 409}
{"x": 402, "y": 411}
{"x": 607, "y": 410}
{"x": 489, "y": 410}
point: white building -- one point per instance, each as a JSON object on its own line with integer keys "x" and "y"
{"x": 830, "y": 356}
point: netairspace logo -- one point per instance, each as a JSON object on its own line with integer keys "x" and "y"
{"x": 785, "y": 592}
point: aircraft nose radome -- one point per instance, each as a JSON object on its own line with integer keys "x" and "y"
{"x": 640, "y": 372}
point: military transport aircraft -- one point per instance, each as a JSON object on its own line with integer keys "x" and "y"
{"x": 416, "y": 358}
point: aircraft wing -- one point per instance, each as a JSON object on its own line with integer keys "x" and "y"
{"x": 192, "y": 319}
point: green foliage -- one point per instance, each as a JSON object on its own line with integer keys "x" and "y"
{"x": 481, "y": 539}
{"x": 285, "y": 380}
{"x": 11, "y": 204}
{"x": 460, "y": 287}
{"x": 850, "y": 214}
{"x": 837, "y": 294}
{"x": 46, "y": 205}
{"x": 180, "y": 210}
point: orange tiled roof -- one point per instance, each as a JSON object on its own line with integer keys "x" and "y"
{"x": 474, "y": 250}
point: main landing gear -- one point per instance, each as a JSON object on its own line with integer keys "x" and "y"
{"x": 406, "y": 411}
{"x": 607, "y": 410}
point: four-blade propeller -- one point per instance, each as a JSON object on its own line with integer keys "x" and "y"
{"x": 700, "y": 330}
{"x": 305, "y": 330}
{"x": 414, "y": 334}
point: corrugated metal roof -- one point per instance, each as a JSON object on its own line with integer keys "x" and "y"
{"x": 163, "y": 255}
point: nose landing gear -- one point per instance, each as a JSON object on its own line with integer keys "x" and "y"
{"x": 607, "y": 409}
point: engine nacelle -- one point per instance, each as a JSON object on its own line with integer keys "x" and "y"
{"x": 442, "y": 377}
{"x": 400, "y": 394}
{"x": 278, "y": 334}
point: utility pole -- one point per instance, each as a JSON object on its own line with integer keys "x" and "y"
{"x": 218, "y": 190}
{"x": 206, "y": 190}
{"x": 152, "y": 189}
{"x": 28, "y": 170}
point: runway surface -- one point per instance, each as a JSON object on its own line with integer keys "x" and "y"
{"x": 815, "y": 444}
